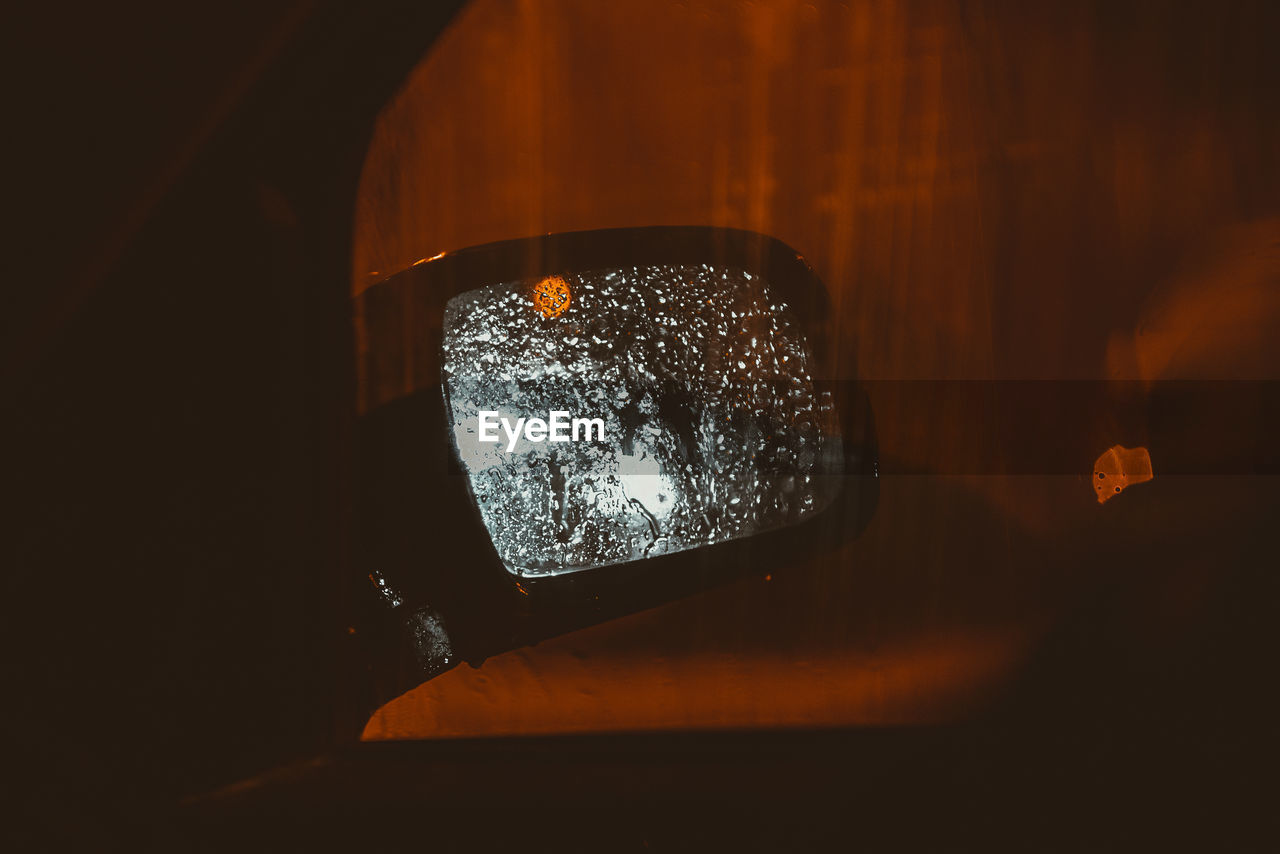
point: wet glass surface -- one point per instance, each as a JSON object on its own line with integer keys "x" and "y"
{"x": 700, "y": 379}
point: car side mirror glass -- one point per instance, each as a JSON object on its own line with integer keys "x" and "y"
{"x": 619, "y": 414}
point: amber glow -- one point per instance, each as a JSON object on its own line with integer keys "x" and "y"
{"x": 563, "y": 687}
{"x": 551, "y": 296}
{"x": 1118, "y": 468}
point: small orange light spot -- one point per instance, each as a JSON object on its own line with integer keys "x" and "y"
{"x": 435, "y": 257}
{"x": 551, "y": 296}
{"x": 1119, "y": 467}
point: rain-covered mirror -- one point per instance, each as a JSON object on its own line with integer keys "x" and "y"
{"x": 620, "y": 414}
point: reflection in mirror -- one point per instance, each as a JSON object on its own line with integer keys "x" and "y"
{"x": 621, "y": 414}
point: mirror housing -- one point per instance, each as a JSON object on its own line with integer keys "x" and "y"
{"x": 442, "y": 584}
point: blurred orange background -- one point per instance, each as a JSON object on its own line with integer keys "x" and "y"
{"x": 990, "y": 191}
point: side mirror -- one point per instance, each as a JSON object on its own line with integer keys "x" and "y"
{"x": 567, "y": 428}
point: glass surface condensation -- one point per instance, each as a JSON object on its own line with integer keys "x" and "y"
{"x": 713, "y": 429}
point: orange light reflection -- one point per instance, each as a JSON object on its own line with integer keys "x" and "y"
{"x": 558, "y": 689}
{"x": 551, "y": 296}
